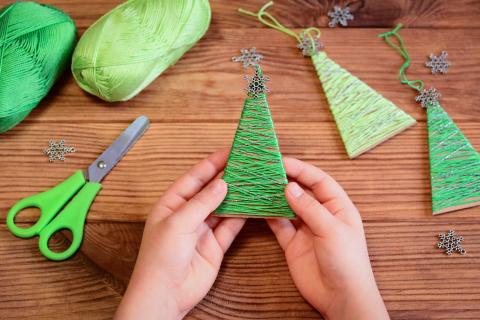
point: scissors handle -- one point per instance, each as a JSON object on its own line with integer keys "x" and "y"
{"x": 49, "y": 202}
{"x": 71, "y": 218}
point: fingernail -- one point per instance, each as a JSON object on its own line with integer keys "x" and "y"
{"x": 217, "y": 186}
{"x": 295, "y": 190}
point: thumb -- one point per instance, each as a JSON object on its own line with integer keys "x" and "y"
{"x": 196, "y": 210}
{"x": 312, "y": 212}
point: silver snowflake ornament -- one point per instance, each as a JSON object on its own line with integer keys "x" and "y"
{"x": 310, "y": 45}
{"x": 256, "y": 84}
{"x": 451, "y": 242}
{"x": 428, "y": 97}
{"x": 339, "y": 15}
{"x": 248, "y": 57}
{"x": 57, "y": 150}
{"x": 439, "y": 64}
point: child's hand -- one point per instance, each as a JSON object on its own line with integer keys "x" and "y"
{"x": 326, "y": 249}
{"x": 182, "y": 246}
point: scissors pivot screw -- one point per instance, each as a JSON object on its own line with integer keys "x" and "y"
{"x": 101, "y": 164}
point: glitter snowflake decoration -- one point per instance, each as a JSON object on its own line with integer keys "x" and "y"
{"x": 248, "y": 57}
{"x": 428, "y": 97}
{"x": 310, "y": 45}
{"x": 256, "y": 84}
{"x": 339, "y": 15}
{"x": 451, "y": 242}
{"x": 57, "y": 150}
{"x": 439, "y": 64}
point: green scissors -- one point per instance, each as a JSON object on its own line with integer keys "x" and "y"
{"x": 81, "y": 189}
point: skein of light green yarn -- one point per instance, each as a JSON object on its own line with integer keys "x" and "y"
{"x": 36, "y": 42}
{"x": 130, "y": 46}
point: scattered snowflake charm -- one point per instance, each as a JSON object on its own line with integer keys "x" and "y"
{"x": 439, "y": 64}
{"x": 451, "y": 242}
{"x": 428, "y": 97}
{"x": 256, "y": 84}
{"x": 57, "y": 150}
{"x": 310, "y": 45}
{"x": 339, "y": 15}
{"x": 248, "y": 57}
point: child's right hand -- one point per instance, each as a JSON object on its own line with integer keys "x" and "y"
{"x": 325, "y": 247}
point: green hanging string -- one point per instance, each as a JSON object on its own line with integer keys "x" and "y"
{"x": 414, "y": 84}
{"x": 262, "y": 16}
{"x": 311, "y": 33}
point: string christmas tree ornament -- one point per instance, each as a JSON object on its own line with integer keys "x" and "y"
{"x": 454, "y": 163}
{"x": 254, "y": 172}
{"x": 363, "y": 116}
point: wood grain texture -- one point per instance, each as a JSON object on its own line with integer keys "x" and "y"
{"x": 308, "y": 13}
{"x": 194, "y": 108}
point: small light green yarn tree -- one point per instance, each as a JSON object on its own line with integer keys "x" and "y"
{"x": 454, "y": 163}
{"x": 254, "y": 173}
{"x": 364, "y": 117}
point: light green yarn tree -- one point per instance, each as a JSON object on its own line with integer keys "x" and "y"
{"x": 364, "y": 117}
{"x": 254, "y": 173}
{"x": 454, "y": 164}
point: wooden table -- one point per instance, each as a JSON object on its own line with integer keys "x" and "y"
{"x": 194, "y": 108}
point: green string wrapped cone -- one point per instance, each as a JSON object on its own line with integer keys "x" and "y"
{"x": 254, "y": 172}
{"x": 130, "y": 46}
{"x": 36, "y": 42}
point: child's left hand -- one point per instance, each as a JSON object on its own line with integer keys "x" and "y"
{"x": 182, "y": 246}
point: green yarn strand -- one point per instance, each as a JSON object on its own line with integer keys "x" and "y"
{"x": 454, "y": 164}
{"x": 400, "y": 48}
{"x": 130, "y": 46}
{"x": 364, "y": 117}
{"x": 36, "y": 42}
{"x": 255, "y": 174}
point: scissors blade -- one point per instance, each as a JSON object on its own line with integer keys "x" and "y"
{"x": 110, "y": 157}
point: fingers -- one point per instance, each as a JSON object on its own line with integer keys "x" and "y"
{"x": 194, "y": 212}
{"x": 190, "y": 183}
{"x": 324, "y": 187}
{"x": 284, "y": 231}
{"x": 313, "y": 214}
{"x": 227, "y": 230}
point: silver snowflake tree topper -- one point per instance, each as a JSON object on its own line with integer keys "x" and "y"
{"x": 340, "y": 16}
{"x": 439, "y": 64}
{"x": 428, "y": 97}
{"x": 451, "y": 242}
{"x": 310, "y": 44}
{"x": 248, "y": 57}
{"x": 57, "y": 150}
{"x": 256, "y": 84}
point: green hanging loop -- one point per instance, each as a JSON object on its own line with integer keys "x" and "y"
{"x": 273, "y": 23}
{"x": 414, "y": 84}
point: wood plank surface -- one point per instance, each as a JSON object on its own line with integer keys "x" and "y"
{"x": 194, "y": 108}
{"x": 308, "y": 13}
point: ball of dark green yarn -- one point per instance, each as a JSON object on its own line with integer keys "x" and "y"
{"x": 36, "y": 42}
